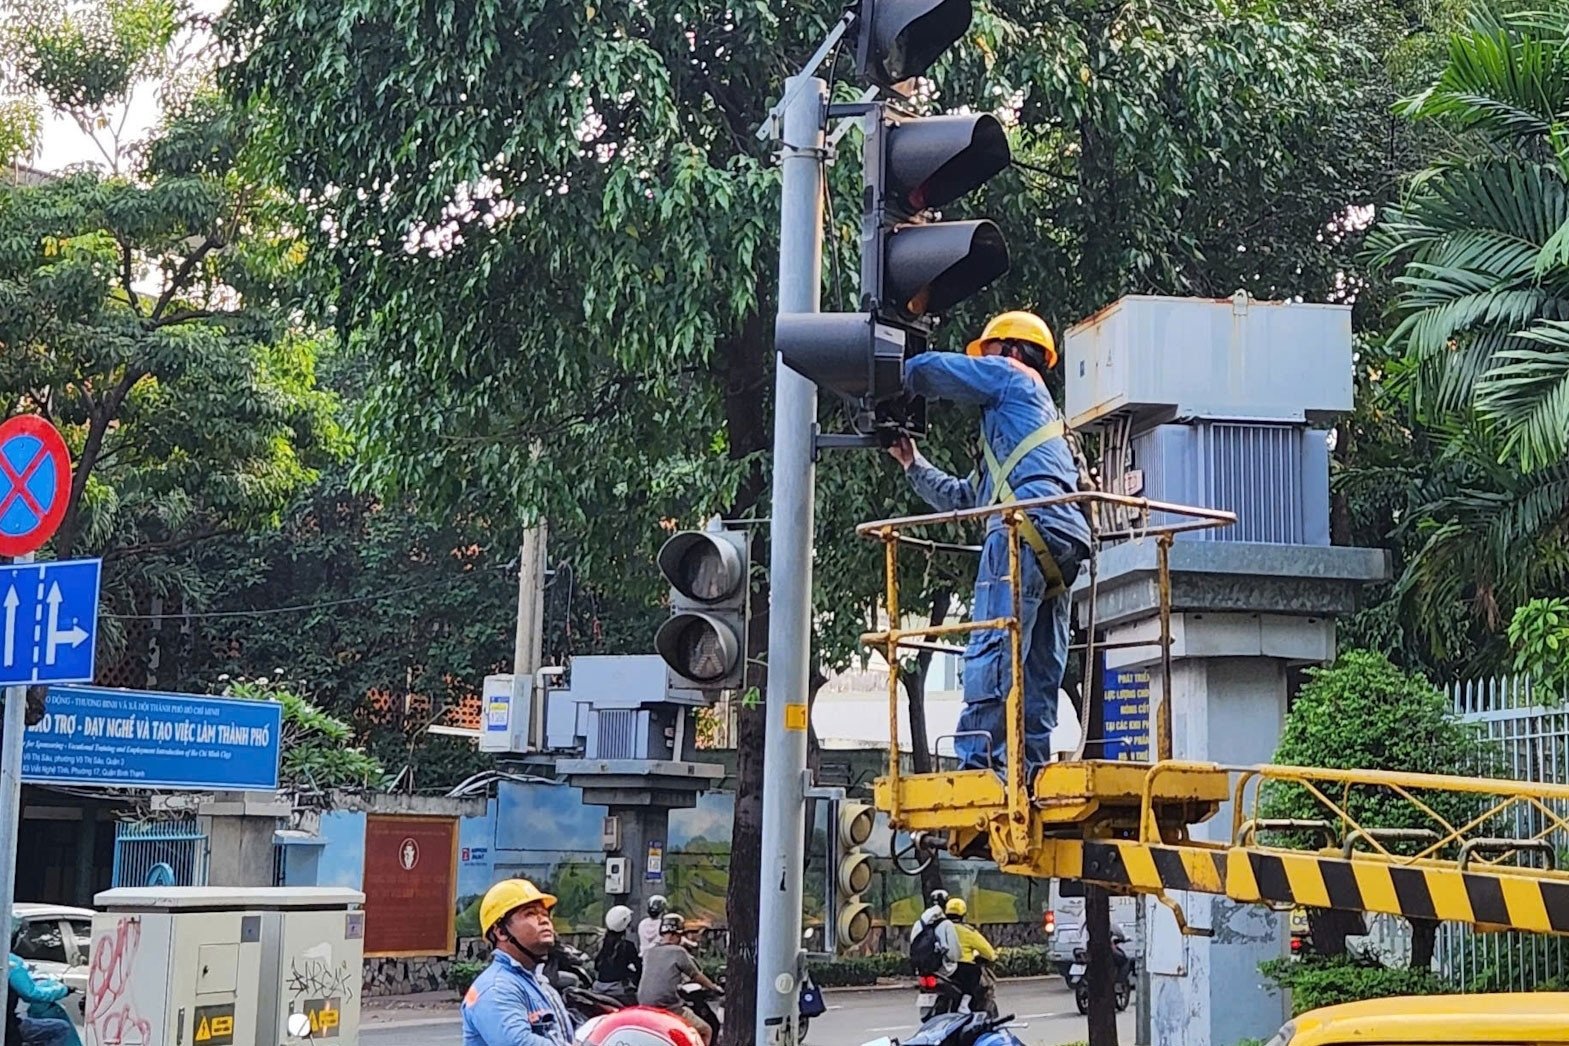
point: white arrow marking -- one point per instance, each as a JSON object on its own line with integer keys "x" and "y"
{"x": 11, "y": 603}
{"x": 52, "y": 643}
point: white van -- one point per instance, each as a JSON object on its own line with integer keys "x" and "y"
{"x": 1064, "y": 922}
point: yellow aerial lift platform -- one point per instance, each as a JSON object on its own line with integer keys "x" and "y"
{"x": 1126, "y": 825}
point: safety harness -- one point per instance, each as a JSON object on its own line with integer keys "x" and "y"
{"x": 1002, "y": 494}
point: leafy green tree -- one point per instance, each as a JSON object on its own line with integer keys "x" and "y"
{"x": 145, "y": 309}
{"x": 318, "y": 756}
{"x": 1363, "y": 713}
{"x": 550, "y": 226}
{"x": 1480, "y": 244}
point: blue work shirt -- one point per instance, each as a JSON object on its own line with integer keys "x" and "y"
{"x": 507, "y": 1006}
{"x": 1014, "y": 403}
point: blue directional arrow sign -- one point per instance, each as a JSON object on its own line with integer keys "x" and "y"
{"x": 49, "y": 621}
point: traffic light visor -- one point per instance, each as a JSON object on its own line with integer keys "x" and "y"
{"x": 702, "y": 567}
{"x": 899, "y": 39}
{"x": 702, "y": 648}
{"x": 855, "y": 924}
{"x": 855, "y": 824}
{"x": 930, "y": 268}
{"x": 935, "y": 160}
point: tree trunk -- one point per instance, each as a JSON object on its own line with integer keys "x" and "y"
{"x": 920, "y": 743}
{"x": 1329, "y": 928}
{"x": 748, "y": 374}
{"x": 1101, "y": 975}
{"x": 1339, "y": 504}
{"x": 1424, "y": 939}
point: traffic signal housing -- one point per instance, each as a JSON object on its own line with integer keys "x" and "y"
{"x": 853, "y": 823}
{"x": 913, "y": 268}
{"x": 704, "y": 640}
{"x": 900, "y": 39}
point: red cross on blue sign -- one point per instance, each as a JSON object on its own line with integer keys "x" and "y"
{"x": 35, "y": 483}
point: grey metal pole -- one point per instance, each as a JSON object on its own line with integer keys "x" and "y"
{"x": 11, "y": 789}
{"x": 790, "y": 572}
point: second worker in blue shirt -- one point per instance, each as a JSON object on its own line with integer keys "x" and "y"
{"x": 1024, "y": 456}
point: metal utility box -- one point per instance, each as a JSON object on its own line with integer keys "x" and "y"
{"x": 1154, "y": 359}
{"x": 509, "y": 714}
{"x": 213, "y": 966}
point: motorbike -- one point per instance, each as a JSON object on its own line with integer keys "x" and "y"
{"x": 941, "y": 994}
{"x": 709, "y": 1006}
{"x": 56, "y": 1011}
{"x": 1122, "y": 990}
{"x": 937, "y": 995}
{"x": 959, "y": 1029}
{"x": 571, "y": 973}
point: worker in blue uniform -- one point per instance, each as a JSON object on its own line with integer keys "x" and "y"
{"x": 1024, "y": 455}
{"x": 511, "y": 1003}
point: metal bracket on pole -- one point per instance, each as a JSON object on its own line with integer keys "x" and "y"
{"x": 771, "y": 123}
{"x": 845, "y": 441}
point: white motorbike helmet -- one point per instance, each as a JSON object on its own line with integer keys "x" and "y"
{"x": 618, "y": 919}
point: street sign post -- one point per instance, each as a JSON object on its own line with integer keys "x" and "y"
{"x": 35, "y": 488}
{"x": 35, "y": 483}
{"x": 48, "y": 621}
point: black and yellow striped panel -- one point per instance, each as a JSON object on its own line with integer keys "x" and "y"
{"x": 1148, "y": 868}
{"x": 1495, "y": 897}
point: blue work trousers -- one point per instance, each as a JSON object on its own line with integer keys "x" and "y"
{"x": 988, "y": 658}
{"x": 48, "y": 1032}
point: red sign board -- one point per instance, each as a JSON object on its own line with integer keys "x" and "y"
{"x": 35, "y": 483}
{"x": 411, "y": 880}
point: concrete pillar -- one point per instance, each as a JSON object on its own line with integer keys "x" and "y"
{"x": 1207, "y": 991}
{"x": 240, "y": 827}
{"x": 641, "y": 825}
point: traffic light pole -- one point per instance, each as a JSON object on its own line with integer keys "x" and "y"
{"x": 804, "y": 122}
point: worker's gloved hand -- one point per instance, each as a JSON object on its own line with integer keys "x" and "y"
{"x": 903, "y": 451}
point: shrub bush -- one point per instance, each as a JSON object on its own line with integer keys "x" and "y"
{"x": 1315, "y": 982}
{"x": 461, "y": 974}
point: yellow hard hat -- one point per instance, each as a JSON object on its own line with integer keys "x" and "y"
{"x": 956, "y": 906}
{"x": 1017, "y": 326}
{"x": 507, "y": 896}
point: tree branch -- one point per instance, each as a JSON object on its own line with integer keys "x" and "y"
{"x": 182, "y": 274}
{"x": 125, "y": 278}
{"x": 170, "y": 545}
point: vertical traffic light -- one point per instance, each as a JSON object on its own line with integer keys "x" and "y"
{"x": 913, "y": 268}
{"x": 704, "y": 641}
{"x": 853, "y": 871}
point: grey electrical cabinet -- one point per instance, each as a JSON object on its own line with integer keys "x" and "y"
{"x": 1151, "y": 359}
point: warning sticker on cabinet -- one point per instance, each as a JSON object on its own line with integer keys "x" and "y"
{"x": 215, "y": 1025}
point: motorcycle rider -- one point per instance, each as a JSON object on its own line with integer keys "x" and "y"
{"x": 619, "y": 966}
{"x": 33, "y": 1031}
{"x": 511, "y": 1003}
{"x": 935, "y": 919}
{"x": 666, "y": 967}
{"x": 974, "y": 949}
{"x": 648, "y": 929}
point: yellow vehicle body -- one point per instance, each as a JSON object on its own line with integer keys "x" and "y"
{"x": 1528, "y": 1019}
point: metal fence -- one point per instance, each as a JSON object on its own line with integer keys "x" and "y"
{"x": 1533, "y": 738}
{"x": 160, "y": 853}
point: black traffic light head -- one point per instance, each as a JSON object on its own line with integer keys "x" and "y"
{"x": 934, "y": 160}
{"x": 898, "y": 39}
{"x": 847, "y": 352}
{"x": 704, "y": 641}
{"x": 910, "y": 269}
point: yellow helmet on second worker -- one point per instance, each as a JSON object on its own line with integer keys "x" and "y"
{"x": 506, "y": 897}
{"x": 956, "y": 906}
{"x": 1018, "y": 326}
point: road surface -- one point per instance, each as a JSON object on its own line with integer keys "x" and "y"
{"x": 854, "y": 1017}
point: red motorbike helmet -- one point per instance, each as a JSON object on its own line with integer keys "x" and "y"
{"x": 638, "y": 1026}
